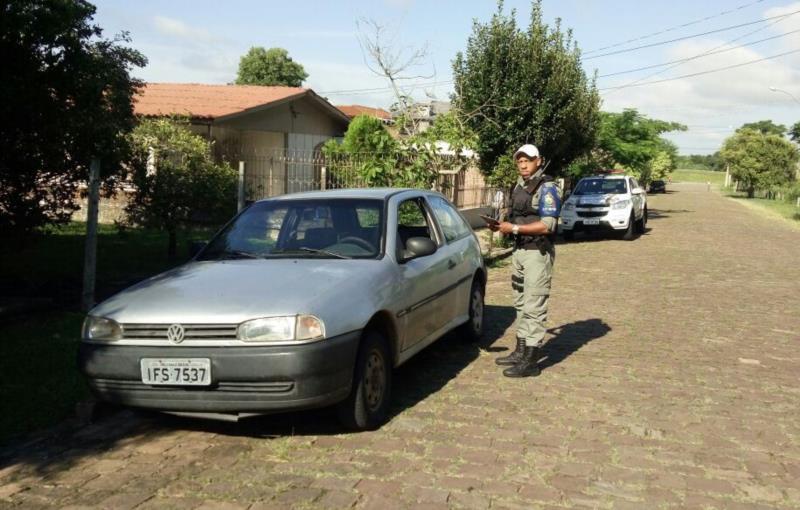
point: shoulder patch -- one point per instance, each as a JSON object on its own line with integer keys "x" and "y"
{"x": 549, "y": 201}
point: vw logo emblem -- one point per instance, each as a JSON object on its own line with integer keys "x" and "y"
{"x": 175, "y": 333}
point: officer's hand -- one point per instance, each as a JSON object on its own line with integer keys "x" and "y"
{"x": 505, "y": 227}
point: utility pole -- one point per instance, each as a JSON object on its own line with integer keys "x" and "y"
{"x": 90, "y": 247}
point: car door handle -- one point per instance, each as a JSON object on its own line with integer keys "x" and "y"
{"x": 451, "y": 264}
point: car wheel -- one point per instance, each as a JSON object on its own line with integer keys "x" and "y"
{"x": 640, "y": 223}
{"x": 568, "y": 235}
{"x": 630, "y": 232}
{"x": 472, "y": 330}
{"x": 367, "y": 405}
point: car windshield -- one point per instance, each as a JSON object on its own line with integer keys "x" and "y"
{"x": 328, "y": 228}
{"x": 600, "y": 187}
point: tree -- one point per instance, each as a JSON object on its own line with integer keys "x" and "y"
{"x": 766, "y": 127}
{"x": 794, "y": 132}
{"x": 758, "y": 160}
{"x": 518, "y": 87}
{"x": 632, "y": 141}
{"x": 67, "y": 98}
{"x": 274, "y": 66}
{"x": 177, "y": 180}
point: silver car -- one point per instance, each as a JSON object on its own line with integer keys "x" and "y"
{"x": 301, "y": 301}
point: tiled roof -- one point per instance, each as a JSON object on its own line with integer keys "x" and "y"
{"x": 356, "y": 109}
{"x": 207, "y": 101}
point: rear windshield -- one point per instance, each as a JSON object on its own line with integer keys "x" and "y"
{"x": 601, "y": 187}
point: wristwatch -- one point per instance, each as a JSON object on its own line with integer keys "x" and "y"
{"x": 515, "y": 229}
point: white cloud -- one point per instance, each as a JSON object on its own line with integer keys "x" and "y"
{"x": 179, "y": 29}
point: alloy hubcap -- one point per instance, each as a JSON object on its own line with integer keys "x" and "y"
{"x": 374, "y": 380}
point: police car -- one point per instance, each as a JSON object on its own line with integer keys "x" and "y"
{"x": 609, "y": 202}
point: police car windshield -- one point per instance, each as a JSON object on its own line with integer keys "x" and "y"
{"x": 600, "y": 187}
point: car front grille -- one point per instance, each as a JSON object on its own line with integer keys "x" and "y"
{"x": 191, "y": 331}
{"x": 592, "y": 214}
{"x": 590, "y": 206}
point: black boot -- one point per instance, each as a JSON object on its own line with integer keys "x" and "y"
{"x": 515, "y": 356}
{"x": 528, "y": 366}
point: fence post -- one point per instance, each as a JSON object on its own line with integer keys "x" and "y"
{"x": 323, "y": 184}
{"x": 90, "y": 247}
{"x": 240, "y": 201}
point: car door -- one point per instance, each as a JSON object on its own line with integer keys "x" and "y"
{"x": 422, "y": 310}
{"x": 458, "y": 250}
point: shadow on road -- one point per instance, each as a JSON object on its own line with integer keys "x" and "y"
{"x": 569, "y": 338}
{"x": 657, "y": 214}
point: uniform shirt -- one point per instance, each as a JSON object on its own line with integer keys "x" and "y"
{"x": 550, "y": 221}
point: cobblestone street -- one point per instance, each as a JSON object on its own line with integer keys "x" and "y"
{"x": 671, "y": 381}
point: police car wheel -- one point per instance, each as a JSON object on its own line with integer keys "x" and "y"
{"x": 630, "y": 232}
{"x": 569, "y": 235}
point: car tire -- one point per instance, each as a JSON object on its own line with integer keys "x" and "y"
{"x": 472, "y": 330}
{"x": 367, "y": 406}
{"x": 630, "y": 232}
{"x": 568, "y": 235}
{"x": 642, "y": 222}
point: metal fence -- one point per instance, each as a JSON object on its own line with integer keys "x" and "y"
{"x": 281, "y": 171}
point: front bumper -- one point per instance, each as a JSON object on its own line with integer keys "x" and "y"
{"x": 614, "y": 220}
{"x": 243, "y": 379}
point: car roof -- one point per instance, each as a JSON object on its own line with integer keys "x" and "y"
{"x": 362, "y": 193}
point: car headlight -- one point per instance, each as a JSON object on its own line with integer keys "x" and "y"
{"x": 621, "y": 204}
{"x": 100, "y": 328}
{"x": 569, "y": 206}
{"x": 282, "y": 329}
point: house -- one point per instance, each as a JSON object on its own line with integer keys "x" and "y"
{"x": 424, "y": 114}
{"x": 274, "y": 131}
{"x": 242, "y": 119}
{"x": 354, "y": 110}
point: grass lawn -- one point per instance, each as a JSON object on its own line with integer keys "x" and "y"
{"x": 780, "y": 208}
{"x": 40, "y": 384}
{"x": 685, "y": 175}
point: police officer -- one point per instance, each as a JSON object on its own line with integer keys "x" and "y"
{"x": 532, "y": 221}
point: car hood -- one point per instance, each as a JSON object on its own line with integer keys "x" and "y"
{"x": 597, "y": 199}
{"x": 228, "y": 292}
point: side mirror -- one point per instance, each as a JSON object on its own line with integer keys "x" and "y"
{"x": 195, "y": 247}
{"x": 637, "y": 191}
{"x": 418, "y": 247}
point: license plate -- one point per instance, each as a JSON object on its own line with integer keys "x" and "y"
{"x": 591, "y": 222}
{"x": 176, "y": 371}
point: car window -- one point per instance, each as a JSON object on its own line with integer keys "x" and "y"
{"x": 331, "y": 228}
{"x": 634, "y": 184}
{"x": 412, "y": 221}
{"x": 453, "y": 225}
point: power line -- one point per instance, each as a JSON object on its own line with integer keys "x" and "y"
{"x": 660, "y": 43}
{"x": 695, "y": 57}
{"x": 379, "y": 89}
{"x": 676, "y": 27}
{"x": 702, "y": 72}
{"x": 748, "y": 34}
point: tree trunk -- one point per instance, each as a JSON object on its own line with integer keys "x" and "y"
{"x": 751, "y": 192}
{"x": 172, "y": 247}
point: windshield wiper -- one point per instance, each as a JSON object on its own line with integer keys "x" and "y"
{"x": 239, "y": 254}
{"x": 324, "y": 252}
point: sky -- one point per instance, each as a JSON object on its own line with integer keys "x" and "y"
{"x": 758, "y": 41}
